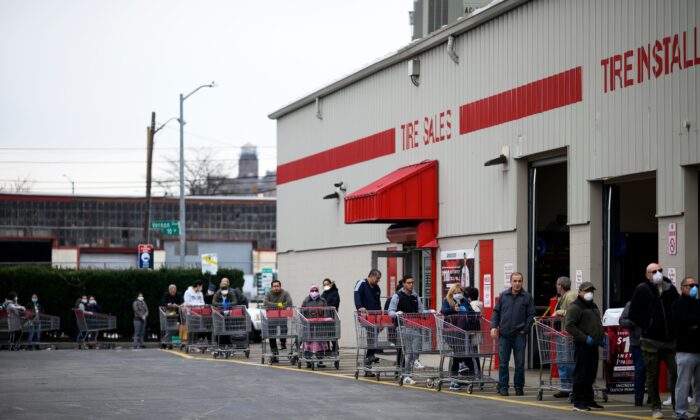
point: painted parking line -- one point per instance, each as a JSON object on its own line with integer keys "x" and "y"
{"x": 562, "y": 407}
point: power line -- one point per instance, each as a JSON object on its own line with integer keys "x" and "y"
{"x": 135, "y": 149}
{"x": 109, "y": 162}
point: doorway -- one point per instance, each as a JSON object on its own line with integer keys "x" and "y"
{"x": 395, "y": 264}
{"x": 548, "y": 232}
{"x": 630, "y": 237}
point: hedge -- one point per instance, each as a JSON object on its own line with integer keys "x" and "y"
{"x": 114, "y": 290}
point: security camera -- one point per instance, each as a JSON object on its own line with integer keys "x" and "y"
{"x": 338, "y": 184}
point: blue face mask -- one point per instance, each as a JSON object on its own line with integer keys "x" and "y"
{"x": 694, "y": 292}
{"x": 457, "y": 297}
{"x": 35, "y": 300}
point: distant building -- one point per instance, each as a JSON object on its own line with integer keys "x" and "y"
{"x": 248, "y": 182}
{"x": 104, "y": 232}
{"x": 430, "y": 15}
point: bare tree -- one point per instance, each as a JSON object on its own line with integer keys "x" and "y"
{"x": 204, "y": 175}
{"x": 19, "y": 185}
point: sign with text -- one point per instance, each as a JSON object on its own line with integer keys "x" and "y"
{"x": 672, "y": 239}
{"x": 266, "y": 279}
{"x": 456, "y": 267}
{"x": 210, "y": 263}
{"x": 146, "y": 256}
{"x": 169, "y": 227}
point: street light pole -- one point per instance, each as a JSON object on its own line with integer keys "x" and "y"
{"x": 72, "y": 183}
{"x": 183, "y": 227}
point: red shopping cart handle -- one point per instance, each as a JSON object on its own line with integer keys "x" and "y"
{"x": 279, "y": 313}
{"x": 319, "y": 319}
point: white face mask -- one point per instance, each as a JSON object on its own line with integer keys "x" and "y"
{"x": 140, "y": 298}
{"x": 588, "y": 296}
{"x": 224, "y": 292}
{"x": 93, "y": 302}
{"x": 657, "y": 278}
{"x": 457, "y": 296}
{"x": 326, "y": 288}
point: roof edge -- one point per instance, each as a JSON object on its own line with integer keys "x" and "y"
{"x": 414, "y": 48}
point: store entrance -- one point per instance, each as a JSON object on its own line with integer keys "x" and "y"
{"x": 549, "y": 231}
{"x": 630, "y": 237}
{"x": 395, "y": 264}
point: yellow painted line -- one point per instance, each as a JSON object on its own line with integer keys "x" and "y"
{"x": 395, "y": 384}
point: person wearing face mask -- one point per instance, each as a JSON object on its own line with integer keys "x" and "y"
{"x": 92, "y": 306}
{"x": 11, "y": 306}
{"x": 583, "y": 322}
{"x": 460, "y": 313}
{"x": 193, "y": 294}
{"x": 314, "y": 348}
{"x": 566, "y": 298}
{"x": 140, "y": 315}
{"x": 226, "y": 295}
{"x": 332, "y": 297}
{"x": 82, "y": 303}
{"x": 651, "y": 309}
{"x": 34, "y": 335}
{"x": 686, "y": 316}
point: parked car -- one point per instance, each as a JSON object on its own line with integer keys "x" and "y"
{"x": 256, "y": 320}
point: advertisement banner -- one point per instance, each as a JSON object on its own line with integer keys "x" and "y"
{"x": 619, "y": 368}
{"x": 456, "y": 267}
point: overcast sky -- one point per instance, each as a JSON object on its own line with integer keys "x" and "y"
{"x": 79, "y": 79}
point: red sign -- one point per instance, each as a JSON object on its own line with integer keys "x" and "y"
{"x": 663, "y": 56}
{"x": 619, "y": 368}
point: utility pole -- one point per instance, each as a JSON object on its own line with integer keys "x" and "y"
{"x": 150, "y": 133}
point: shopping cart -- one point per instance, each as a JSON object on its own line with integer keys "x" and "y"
{"x": 11, "y": 324}
{"x": 169, "y": 325}
{"x": 39, "y": 324}
{"x": 316, "y": 328}
{"x": 556, "y": 347}
{"x": 199, "y": 323}
{"x": 231, "y": 331}
{"x": 376, "y": 330}
{"x": 90, "y": 324}
{"x": 418, "y": 335}
{"x": 466, "y": 337}
{"x": 278, "y": 324}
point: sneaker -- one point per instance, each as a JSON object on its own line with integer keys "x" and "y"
{"x": 668, "y": 402}
{"x": 580, "y": 407}
{"x": 657, "y": 414}
{"x": 418, "y": 365}
{"x": 274, "y": 360}
{"x": 519, "y": 392}
{"x": 503, "y": 392}
{"x": 595, "y": 406}
{"x": 454, "y": 386}
{"x": 561, "y": 394}
{"x": 408, "y": 381}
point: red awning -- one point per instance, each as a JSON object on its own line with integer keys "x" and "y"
{"x": 407, "y": 194}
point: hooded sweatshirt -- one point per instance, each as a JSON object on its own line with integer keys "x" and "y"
{"x": 193, "y": 298}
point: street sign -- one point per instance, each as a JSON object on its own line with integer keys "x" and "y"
{"x": 146, "y": 256}
{"x": 169, "y": 227}
{"x": 210, "y": 263}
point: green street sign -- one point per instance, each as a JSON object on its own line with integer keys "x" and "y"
{"x": 169, "y": 227}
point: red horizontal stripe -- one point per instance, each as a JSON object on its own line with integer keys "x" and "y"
{"x": 374, "y": 146}
{"x": 533, "y": 98}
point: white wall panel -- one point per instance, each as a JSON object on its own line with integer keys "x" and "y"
{"x": 626, "y": 131}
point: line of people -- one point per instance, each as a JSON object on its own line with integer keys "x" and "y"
{"x": 30, "y": 315}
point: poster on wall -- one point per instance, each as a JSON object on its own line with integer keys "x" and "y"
{"x": 619, "y": 367}
{"x": 456, "y": 267}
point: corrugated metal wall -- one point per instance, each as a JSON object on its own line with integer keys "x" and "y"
{"x": 621, "y": 132}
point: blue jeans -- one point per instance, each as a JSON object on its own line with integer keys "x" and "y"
{"x": 139, "y": 331}
{"x": 688, "y": 372}
{"x": 640, "y": 374}
{"x": 516, "y": 344}
{"x": 34, "y": 336}
{"x": 566, "y": 373}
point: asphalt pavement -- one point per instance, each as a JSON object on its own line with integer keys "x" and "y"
{"x": 152, "y": 383}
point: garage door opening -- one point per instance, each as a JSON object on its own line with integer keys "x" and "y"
{"x": 630, "y": 237}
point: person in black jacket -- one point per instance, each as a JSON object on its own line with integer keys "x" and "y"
{"x": 330, "y": 293}
{"x": 34, "y": 335}
{"x": 367, "y": 298}
{"x": 584, "y": 324}
{"x": 171, "y": 301}
{"x": 650, "y": 308}
{"x": 686, "y": 317}
{"x": 332, "y": 297}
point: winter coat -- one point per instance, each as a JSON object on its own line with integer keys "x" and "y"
{"x": 313, "y": 303}
{"x": 583, "y": 320}
{"x": 233, "y": 298}
{"x": 635, "y": 331}
{"x": 168, "y": 299}
{"x": 514, "y": 313}
{"x": 652, "y": 311}
{"x": 686, "y": 317}
{"x": 366, "y": 296}
{"x": 140, "y": 309}
{"x": 272, "y": 300}
{"x": 332, "y": 297}
{"x": 565, "y": 302}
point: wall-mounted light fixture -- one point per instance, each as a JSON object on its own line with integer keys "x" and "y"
{"x": 414, "y": 70}
{"x": 502, "y": 159}
{"x": 339, "y": 189}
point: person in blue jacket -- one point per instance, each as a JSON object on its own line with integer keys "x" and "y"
{"x": 367, "y": 298}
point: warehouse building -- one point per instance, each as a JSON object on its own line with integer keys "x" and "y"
{"x": 547, "y": 137}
